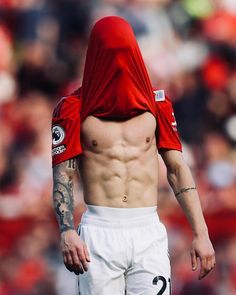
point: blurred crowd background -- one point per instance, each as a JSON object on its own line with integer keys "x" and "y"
{"x": 189, "y": 48}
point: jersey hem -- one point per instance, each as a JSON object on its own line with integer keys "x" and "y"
{"x": 65, "y": 158}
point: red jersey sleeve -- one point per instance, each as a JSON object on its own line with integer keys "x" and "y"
{"x": 167, "y": 136}
{"x": 66, "y": 129}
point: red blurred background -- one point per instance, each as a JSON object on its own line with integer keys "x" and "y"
{"x": 190, "y": 50}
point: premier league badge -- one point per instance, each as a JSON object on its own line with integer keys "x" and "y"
{"x": 58, "y": 135}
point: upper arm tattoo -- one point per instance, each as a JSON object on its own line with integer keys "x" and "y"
{"x": 63, "y": 193}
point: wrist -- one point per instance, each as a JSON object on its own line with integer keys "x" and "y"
{"x": 199, "y": 233}
{"x": 66, "y": 229}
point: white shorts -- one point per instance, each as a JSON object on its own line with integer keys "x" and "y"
{"x": 128, "y": 252}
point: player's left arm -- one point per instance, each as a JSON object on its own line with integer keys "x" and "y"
{"x": 181, "y": 180}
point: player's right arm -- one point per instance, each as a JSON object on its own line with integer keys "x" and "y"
{"x": 65, "y": 149}
{"x": 74, "y": 250}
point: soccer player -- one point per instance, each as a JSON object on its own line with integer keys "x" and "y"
{"x": 110, "y": 131}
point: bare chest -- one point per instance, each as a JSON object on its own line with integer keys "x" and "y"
{"x": 119, "y": 139}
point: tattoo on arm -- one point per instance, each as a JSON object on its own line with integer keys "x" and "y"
{"x": 184, "y": 190}
{"x": 63, "y": 194}
{"x": 71, "y": 164}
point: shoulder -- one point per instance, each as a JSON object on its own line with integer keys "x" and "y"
{"x": 67, "y": 106}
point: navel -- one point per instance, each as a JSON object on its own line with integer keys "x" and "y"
{"x": 125, "y": 198}
{"x": 148, "y": 139}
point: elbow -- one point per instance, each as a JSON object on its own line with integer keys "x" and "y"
{"x": 176, "y": 171}
{"x": 176, "y": 166}
{"x": 172, "y": 180}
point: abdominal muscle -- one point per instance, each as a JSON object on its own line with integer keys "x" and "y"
{"x": 119, "y": 164}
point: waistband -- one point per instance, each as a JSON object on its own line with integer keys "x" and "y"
{"x": 119, "y": 217}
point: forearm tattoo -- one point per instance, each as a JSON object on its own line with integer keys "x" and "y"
{"x": 63, "y": 194}
{"x": 184, "y": 190}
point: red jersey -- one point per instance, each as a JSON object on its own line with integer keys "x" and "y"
{"x": 115, "y": 85}
{"x": 66, "y": 124}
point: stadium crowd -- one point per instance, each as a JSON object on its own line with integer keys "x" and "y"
{"x": 190, "y": 50}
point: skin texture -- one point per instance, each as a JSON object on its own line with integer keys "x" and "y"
{"x": 119, "y": 168}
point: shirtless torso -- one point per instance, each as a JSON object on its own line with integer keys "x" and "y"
{"x": 119, "y": 164}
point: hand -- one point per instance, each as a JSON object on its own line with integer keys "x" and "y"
{"x": 75, "y": 252}
{"x": 202, "y": 251}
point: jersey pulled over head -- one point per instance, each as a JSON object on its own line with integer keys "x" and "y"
{"x": 115, "y": 84}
